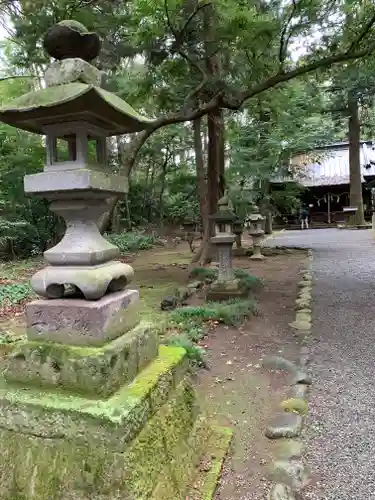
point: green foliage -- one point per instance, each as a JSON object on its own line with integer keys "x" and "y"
{"x": 231, "y": 313}
{"x": 15, "y": 293}
{"x": 246, "y": 279}
{"x": 132, "y": 241}
{"x": 195, "y": 353}
{"x": 203, "y": 273}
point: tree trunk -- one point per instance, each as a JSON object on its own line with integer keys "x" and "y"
{"x": 105, "y": 219}
{"x": 268, "y": 223}
{"x": 214, "y": 181}
{"x": 215, "y": 132}
{"x": 356, "y": 199}
{"x": 202, "y": 191}
{"x": 265, "y": 188}
{"x": 162, "y": 188}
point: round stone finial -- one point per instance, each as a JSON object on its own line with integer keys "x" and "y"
{"x": 71, "y": 39}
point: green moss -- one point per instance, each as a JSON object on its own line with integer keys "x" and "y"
{"x": 116, "y": 421}
{"x": 216, "y": 449}
{"x": 165, "y": 450}
{"x": 90, "y": 371}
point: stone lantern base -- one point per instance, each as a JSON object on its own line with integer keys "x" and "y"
{"x": 120, "y": 421}
{"x": 225, "y": 290}
{"x": 257, "y": 245}
{"x": 257, "y": 256}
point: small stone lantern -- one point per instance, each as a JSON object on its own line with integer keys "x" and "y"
{"x": 238, "y": 231}
{"x": 255, "y": 223}
{"x": 226, "y": 285}
{"x": 74, "y": 110}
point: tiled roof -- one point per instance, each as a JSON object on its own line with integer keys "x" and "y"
{"x": 333, "y": 168}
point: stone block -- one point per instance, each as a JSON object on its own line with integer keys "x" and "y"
{"x": 224, "y": 290}
{"x": 110, "y": 422}
{"x": 72, "y": 70}
{"x": 82, "y": 322}
{"x": 56, "y": 445}
{"x": 78, "y": 181}
{"x": 92, "y": 371}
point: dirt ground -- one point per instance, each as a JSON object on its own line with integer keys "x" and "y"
{"x": 235, "y": 389}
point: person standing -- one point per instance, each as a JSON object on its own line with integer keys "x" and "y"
{"x": 304, "y": 216}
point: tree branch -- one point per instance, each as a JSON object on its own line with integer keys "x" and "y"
{"x": 363, "y": 33}
{"x": 222, "y": 101}
{"x": 282, "y": 76}
{"x": 283, "y": 39}
{"x": 178, "y": 36}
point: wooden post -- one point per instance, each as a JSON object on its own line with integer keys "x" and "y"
{"x": 329, "y": 207}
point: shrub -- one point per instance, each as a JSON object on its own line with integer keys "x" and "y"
{"x": 131, "y": 242}
{"x": 203, "y": 273}
{"x": 247, "y": 280}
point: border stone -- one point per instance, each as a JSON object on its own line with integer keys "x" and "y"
{"x": 281, "y": 491}
{"x": 285, "y": 425}
{"x": 288, "y": 471}
{"x": 292, "y": 473}
{"x": 279, "y": 363}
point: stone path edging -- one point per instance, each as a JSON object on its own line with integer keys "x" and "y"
{"x": 288, "y": 471}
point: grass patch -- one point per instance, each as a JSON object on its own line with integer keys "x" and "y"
{"x": 132, "y": 241}
{"x": 17, "y": 269}
{"x": 189, "y": 324}
{"x": 231, "y": 312}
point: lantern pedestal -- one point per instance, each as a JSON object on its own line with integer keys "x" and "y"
{"x": 226, "y": 286}
{"x": 255, "y": 223}
{"x": 238, "y": 251}
{"x": 257, "y": 246}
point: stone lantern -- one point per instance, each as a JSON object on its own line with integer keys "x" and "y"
{"x": 92, "y": 406}
{"x": 238, "y": 226}
{"x": 255, "y": 223}
{"x": 76, "y": 116}
{"x": 226, "y": 286}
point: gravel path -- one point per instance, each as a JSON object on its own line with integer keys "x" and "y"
{"x": 341, "y": 426}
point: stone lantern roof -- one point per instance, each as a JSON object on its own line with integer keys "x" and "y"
{"x": 73, "y": 89}
{"x": 224, "y": 213}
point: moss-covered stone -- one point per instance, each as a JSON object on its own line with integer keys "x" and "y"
{"x": 32, "y": 467}
{"x": 90, "y": 371}
{"x": 101, "y": 449}
{"x": 116, "y": 421}
{"x": 224, "y": 290}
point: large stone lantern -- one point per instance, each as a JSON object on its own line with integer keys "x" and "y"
{"x": 91, "y": 405}
{"x": 226, "y": 286}
{"x": 255, "y": 223}
{"x": 76, "y": 116}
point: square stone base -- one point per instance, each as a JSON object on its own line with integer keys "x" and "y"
{"x": 143, "y": 442}
{"x": 91, "y": 371}
{"x": 83, "y": 322}
{"x": 225, "y": 290}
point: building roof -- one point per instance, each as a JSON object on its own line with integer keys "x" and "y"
{"x": 333, "y": 167}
